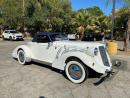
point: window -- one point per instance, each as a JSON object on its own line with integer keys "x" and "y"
{"x": 58, "y": 37}
{"x": 6, "y": 31}
{"x": 43, "y": 39}
{"x": 13, "y": 32}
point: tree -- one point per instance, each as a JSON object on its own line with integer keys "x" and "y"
{"x": 51, "y": 14}
{"x": 93, "y": 20}
{"x": 121, "y": 16}
{"x": 126, "y": 40}
{"x": 12, "y": 12}
{"x": 82, "y": 17}
{"x": 39, "y": 15}
{"x": 95, "y": 10}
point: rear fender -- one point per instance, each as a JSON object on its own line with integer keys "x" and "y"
{"x": 27, "y": 51}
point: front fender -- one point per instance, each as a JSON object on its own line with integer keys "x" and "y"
{"x": 25, "y": 49}
{"x": 86, "y": 59}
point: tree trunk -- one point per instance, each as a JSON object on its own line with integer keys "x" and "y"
{"x": 127, "y": 36}
{"x": 113, "y": 19}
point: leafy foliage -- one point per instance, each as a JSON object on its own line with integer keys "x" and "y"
{"x": 56, "y": 16}
{"x": 122, "y": 17}
{"x": 93, "y": 20}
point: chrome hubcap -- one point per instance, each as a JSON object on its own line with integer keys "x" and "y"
{"x": 21, "y": 57}
{"x": 75, "y": 71}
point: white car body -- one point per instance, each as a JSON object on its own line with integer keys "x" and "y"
{"x": 56, "y": 54}
{"x": 72, "y": 36}
{"x": 12, "y": 35}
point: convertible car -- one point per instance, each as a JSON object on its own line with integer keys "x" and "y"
{"x": 73, "y": 57}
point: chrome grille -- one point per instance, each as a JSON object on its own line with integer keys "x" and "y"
{"x": 104, "y": 56}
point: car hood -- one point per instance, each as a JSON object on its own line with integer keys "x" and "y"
{"x": 80, "y": 44}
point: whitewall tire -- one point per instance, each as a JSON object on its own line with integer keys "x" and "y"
{"x": 76, "y": 71}
{"x": 21, "y": 57}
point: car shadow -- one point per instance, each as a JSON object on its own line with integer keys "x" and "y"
{"x": 92, "y": 73}
{"x": 41, "y": 97}
{"x": 46, "y": 66}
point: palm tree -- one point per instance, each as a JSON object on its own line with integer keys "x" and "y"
{"x": 82, "y": 18}
{"x": 126, "y": 39}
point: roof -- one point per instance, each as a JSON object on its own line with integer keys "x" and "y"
{"x": 43, "y": 33}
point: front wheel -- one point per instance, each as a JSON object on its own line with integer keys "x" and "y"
{"x": 76, "y": 71}
{"x": 21, "y": 57}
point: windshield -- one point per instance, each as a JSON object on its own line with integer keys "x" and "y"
{"x": 13, "y": 32}
{"x": 59, "y": 37}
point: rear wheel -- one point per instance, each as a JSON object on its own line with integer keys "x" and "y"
{"x": 21, "y": 57}
{"x": 3, "y": 37}
{"x": 10, "y": 38}
{"x": 76, "y": 71}
{"x": 22, "y": 39}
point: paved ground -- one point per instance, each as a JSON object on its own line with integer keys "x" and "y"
{"x": 36, "y": 81}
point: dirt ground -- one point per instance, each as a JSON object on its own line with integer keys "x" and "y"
{"x": 39, "y": 81}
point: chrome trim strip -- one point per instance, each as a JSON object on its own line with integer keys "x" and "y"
{"x": 42, "y": 62}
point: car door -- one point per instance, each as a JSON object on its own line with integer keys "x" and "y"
{"x": 8, "y": 34}
{"x": 43, "y": 49}
{"x": 5, "y": 34}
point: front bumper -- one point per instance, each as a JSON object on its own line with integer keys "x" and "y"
{"x": 104, "y": 77}
{"x": 110, "y": 73}
{"x": 107, "y": 73}
{"x": 17, "y": 38}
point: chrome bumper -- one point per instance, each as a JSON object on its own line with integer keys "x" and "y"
{"x": 104, "y": 77}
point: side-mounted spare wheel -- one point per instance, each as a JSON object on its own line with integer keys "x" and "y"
{"x": 76, "y": 71}
{"x": 21, "y": 57}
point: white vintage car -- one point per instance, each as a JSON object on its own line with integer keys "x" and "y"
{"x": 73, "y": 57}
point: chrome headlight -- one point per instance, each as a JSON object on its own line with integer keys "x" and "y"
{"x": 96, "y": 51}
